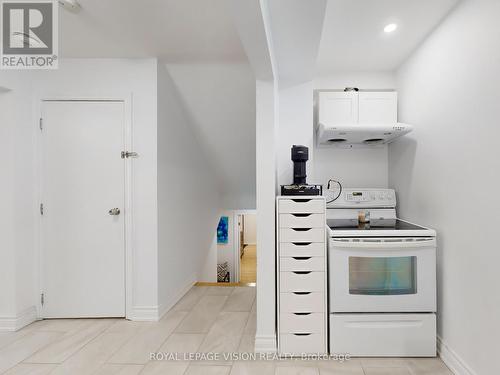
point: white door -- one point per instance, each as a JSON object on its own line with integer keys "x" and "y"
{"x": 338, "y": 108}
{"x": 382, "y": 275}
{"x": 83, "y": 245}
{"x": 378, "y": 107}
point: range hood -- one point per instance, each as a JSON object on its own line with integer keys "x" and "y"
{"x": 360, "y": 135}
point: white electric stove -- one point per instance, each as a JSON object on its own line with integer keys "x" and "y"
{"x": 382, "y": 278}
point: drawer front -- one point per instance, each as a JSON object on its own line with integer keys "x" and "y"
{"x": 302, "y": 249}
{"x": 402, "y": 335}
{"x": 302, "y": 221}
{"x": 302, "y": 264}
{"x": 302, "y": 302}
{"x": 302, "y": 234}
{"x": 302, "y": 281}
{"x": 301, "y": 206}
{"x": 302, "y": 323}
{"x": 302, "y": 343}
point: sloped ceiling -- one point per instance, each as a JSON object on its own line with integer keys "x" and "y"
{"x": 198, "y": 41}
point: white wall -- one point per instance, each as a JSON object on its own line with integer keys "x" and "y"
{"x": 94, "y": 78}
{"x": 187, "y": 219}
{"x": 295, "y": 128}
{"x": 363, "y": 167}
{"x": 447, "y": 175}
{"x": 220, "y": 100}
{"x": 250, "y": 234}
{"x": 7, "y": 244}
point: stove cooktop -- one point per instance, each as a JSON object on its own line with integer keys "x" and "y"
{"x": 373, "y": 225}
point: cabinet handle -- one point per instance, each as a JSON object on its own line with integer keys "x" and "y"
{"x": 301, "y": 229}
{"x": 301, "y": 258}
{"x": 302, "y": 272}
{"x": 302, "y": 313}
{"x": 301, "y": 200}
{"x": 301, "y": 293}
{"x": 302, "y": 334}
{"x": 301, "y": 215}
{"x": 302, "y": 243}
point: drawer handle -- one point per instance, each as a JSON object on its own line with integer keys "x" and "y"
{"x": 302, "y": 243}
{"x": 301, "y": 258}
{"x": 301, "y": 229}
{"x": 302, "y": 313}
{"x": 301, "y": 293}
{"x": 302, "y": 334}
{"x": 302, "y": 272}
{"x": 301, "y": 215}
{"x": 301, "y": 200}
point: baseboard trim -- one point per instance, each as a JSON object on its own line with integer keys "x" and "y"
{"x": 451, "y": 359}
{"x": 155, "y": 313}
{"x": 15, "y": 323}
{"x": 265, "y": 344}
{"x": 144, "y": 313}
{"x": 165, "y": 307}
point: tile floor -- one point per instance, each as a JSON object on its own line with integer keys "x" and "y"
{"x": 207, "y": 319}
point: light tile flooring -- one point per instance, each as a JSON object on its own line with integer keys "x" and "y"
{"x": 207, "y": 319}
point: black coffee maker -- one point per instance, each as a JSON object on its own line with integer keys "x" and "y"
{"x": 300, "y": 155}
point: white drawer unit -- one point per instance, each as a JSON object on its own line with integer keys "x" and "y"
{"x": 301, "y": 266}
{"x": 302, "y": 302}
{"x": 302, "y": 221}
{"x": 302, "y": 281}
{"x": 301, "y": 205}
{"x": 302, "y": 235}
{"x": 302, "y": 322}
{"x": 302, "y": 249}
{"x": 302, "y": 343}
{"x": 304, "y": 263}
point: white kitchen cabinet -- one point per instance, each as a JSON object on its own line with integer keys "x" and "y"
{"x": 302, "y": 281}
{"x": 351, "y": 107}
{"x": 378, "y": 107}
{"x": 338, "y": 107}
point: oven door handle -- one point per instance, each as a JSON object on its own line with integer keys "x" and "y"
{"x": 428, "y": 242}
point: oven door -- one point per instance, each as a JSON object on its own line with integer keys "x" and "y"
{"x": 382, "y": 275}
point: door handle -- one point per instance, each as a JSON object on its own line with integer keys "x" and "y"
{"x": 114, "y": 211}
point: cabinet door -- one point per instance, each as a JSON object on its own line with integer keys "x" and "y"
{"x": 338, "y": 108}
{"x": 378, "y": 107}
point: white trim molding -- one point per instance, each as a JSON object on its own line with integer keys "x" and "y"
{"x": 155, "y": 313}
{"x": 15, "y": 323}
{"x": 144, "y": 313}
{"x": 166, "y": 307}
{"x": 451, "y": 359}
{"x": 266, "y": 344}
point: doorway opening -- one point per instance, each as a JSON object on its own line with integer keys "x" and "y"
{"x": 247, "y": 248}
{"x": 237, "y": 248}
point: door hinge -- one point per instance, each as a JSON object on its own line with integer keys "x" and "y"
{"x": 41, "y": 123}
{"x": 129, "y": 154}
{"x": 42, "y": 298}
{"x": 41, "y": 208}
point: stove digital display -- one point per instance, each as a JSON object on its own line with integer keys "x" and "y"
{"x": 357, "y": 194}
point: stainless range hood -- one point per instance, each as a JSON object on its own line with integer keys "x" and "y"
{"x": 360, "y": 135}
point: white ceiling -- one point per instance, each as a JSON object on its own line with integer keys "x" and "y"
{"x": 199, "y": 42}
{"x": 353, "y": 38}
{"x": 173, "y": 30}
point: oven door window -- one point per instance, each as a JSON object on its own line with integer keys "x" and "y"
{"x": 383, "y": 276}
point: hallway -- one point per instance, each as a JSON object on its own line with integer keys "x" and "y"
{"x": 248, "y": 265}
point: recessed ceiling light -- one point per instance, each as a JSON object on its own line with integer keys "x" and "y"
{"x": 390, "y": 28}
